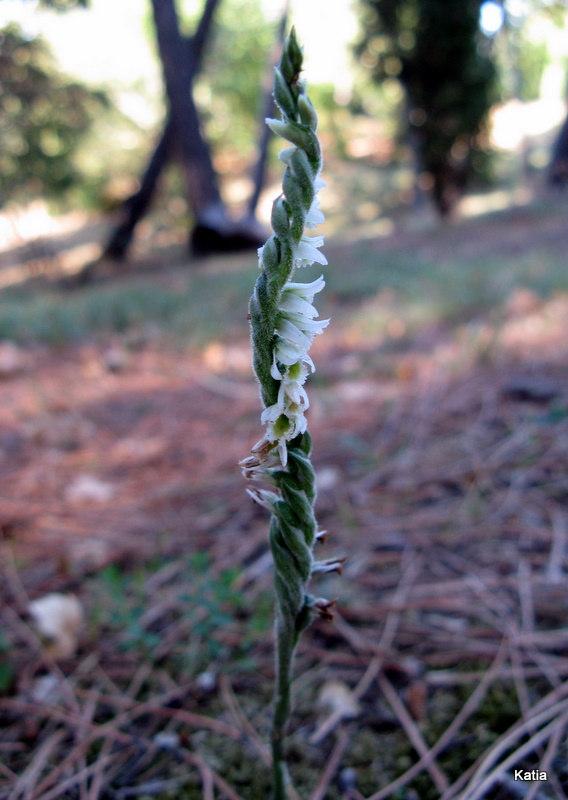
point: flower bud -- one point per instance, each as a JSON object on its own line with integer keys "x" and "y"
{"x": 279, "y": 218}
{"x": 308, "y": 115}
{"x": 300, "y": 164}
{"x": 290, "y": 131}
{"x": 282, "y": 95}
{"x": 293, "y": 191}
{"x": 270, "y": 255}
{"x": 292, "y": 58}
{"x": 295, "y": 51}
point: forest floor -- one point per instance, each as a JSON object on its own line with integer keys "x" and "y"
{"x": 440, "y": 423}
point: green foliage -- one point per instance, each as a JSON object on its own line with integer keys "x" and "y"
{"x": 336, "y": 119}
{"x": 42, "y": 120}
{"x": 122, "y": 609}
{"x": 201, "y": 604}
{"x": 436, "y": 52}
{"x": 532, "y": 59}
{"x": 406, "y": 288}
{"x": 64, "y": 5}
{"x": 522, "y": 51}
{"x": 216, "y": 302}
{"x": 7, "y": 668}
{"x": 228, "y": 90}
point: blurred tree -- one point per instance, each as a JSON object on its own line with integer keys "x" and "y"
{"x": 42, "y": 119}
{"x": 183, "y": 138}
{"x": 529, "y": 58}
{"x": 435, "y": 49}
{"x": 64, "y": 5}
{"x": 234, "y": 91}
{"x": 558, "y": 169}
{"x": 181, "y": 58}
{"x": 228, "y": 88}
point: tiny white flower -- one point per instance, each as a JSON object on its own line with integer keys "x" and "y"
{"x": 306, "y": 290}
{"x": 292, "y": 393}
{"x": 299, "y": 371}
{"x": 288, "y": 353}
{"x": 274, "y": 371}
{"x": 288, "y": 330}
{"x": 314, "y": 217}
{"x": 283, "y": 426}
{"x": 309, "y": 327}
{"x": 271, "y": 414}
{"x": 307, "y": 251}
{"x": 290, "y": 301}
{"x": 286, "y": 154}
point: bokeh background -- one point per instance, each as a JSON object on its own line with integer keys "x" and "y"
{"x": 136, "y": 182}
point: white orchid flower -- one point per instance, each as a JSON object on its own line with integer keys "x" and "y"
{"x": 307, "y": 252}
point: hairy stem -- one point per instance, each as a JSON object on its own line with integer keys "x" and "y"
{"x": 284, "y": 658}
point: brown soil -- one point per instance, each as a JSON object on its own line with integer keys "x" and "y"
{"x": 442, "y": 475}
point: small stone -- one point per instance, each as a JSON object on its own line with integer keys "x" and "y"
{"x": 347, "y": 779}
{"x": 115, "y": 358}
{"x": 206, "y": 681}
{"x": 327, "y": 479}
{"x": 88, "y": 487}
{"x": 12, "y": 360}
{"x": 338, "y": 697}
{"x": 166, "y": 741}
{"x": 58, "y": 619}
{"x": 47, "y": 689}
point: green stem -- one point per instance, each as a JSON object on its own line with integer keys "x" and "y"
{"x": 285, "y": 646}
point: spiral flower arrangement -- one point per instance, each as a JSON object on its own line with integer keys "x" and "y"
{"x": 283, "y": 325}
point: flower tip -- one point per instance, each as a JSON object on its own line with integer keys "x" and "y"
{"x": 262, "y": 497}
{"x": 324, "y": 608}
{"x": 283, "y": 450}
{"x": 331, "y": 565}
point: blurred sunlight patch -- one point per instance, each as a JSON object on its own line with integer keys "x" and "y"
{"x": 514, "y": 121}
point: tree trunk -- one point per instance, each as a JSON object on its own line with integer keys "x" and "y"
{"x": 182, "y": 138}
{"x": 136, "y": 206}
{"x": 196, "y": 162}
{"x": 558, "y": 170}
{"x": 214, "y": 232}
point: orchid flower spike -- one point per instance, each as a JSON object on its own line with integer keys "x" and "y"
{"x": 284, "y": 320}
{"x": 284, "y": 323}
